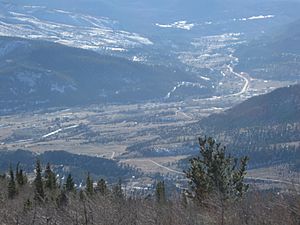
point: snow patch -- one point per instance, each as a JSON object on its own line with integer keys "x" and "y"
{"x": 34, "y": 7}
{"x": 138, "y": 59}
{"x": 260, "y": 17}
{"x": 184, "y": 25}
{"x": 183, "y": 84}
{"x": 116, "y": 49}
{"x": 69, "y": 28}
{"x": 204, "y": 78}
{"x": 62, "y": 11}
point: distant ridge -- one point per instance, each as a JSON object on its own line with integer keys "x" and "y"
{"x": 275, "y": 57}
{"x": 279, "y": 106}
{"x": 39, "y": 73}
{"x": 64, "y": 162}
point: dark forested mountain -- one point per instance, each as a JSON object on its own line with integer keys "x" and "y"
{"x": 65, "y": 162}
{"x": 37, "y": 73}
{"x": 266, "y": 127}
{"x": 275, "y": 57}
{"x": 277, "y": 107}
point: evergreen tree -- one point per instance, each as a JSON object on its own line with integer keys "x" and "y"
{"x": 214, "y": 171}
{"x": 160, "y": 192}
{"x": 50, "y": 178}
{"x": 81, "y": 195}
{"x": 117, "y": 190}
{"x": 20, "y": 176}
{"x": 62, "y": 199}
{"x": 102, "y": 187}
{"x": 89, "y": 185}
{"x": 69, "y": 185}
{"x": 12, "y": 191}
{"x": 38, "y": 182}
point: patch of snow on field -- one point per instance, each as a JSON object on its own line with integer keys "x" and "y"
{"x": 117, "y": 49}
{"x": 204, "y": 78}
{"x": 184, "y": 25}
{"x": 137, "y": 59}
{"x": 260, "y": 17}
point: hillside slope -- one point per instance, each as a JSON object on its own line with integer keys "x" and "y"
{"x": 279, "y": 106}
{"x": 37, "y": 73}
{"x": 65, "y": 163}
{"x": 275, "y": 57}
{"x": 267, "y": 128}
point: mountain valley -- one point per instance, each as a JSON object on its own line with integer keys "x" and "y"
{"x": 105, "y": 80}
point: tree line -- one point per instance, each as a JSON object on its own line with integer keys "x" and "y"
{"x": 217, "y": 194}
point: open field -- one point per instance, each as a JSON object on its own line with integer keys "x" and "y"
{"x": 107, "y": 131}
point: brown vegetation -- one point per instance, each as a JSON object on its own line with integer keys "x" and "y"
{"x": 62, "y": 207}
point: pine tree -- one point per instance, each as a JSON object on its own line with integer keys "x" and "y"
{"x": 38, "y": 182}
{"x": 20, "y": 176}
{"x": 160, "y": 192}
{"x": 117, "y": 190}
{"x": 62, "y": 199}
{"x": 101, "y": 187}
{"x": 69, "y": 185}
{"x": 89, "y": 188}
{"x": 12, "y": 191}
{"x": 214, "y": 171}
{"x": 50, "y": 178}
{"x": 81, "y": 195}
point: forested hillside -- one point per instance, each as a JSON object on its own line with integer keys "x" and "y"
{"x": 278, "y": 107}
{"x": 65, "y": 162}
{"x": 275, "y": 56}
{"x": 37, "y": 74}
{"x": 111, "y": 208}
{"x": 266, "y": 127}
{"x": 218, "y": 195}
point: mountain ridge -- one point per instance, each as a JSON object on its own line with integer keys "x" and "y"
{"x": 50, "y": 74}
{"x": 279, "y": 106}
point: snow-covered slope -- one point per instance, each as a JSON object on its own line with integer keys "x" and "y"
{"x": 65, "y": 27}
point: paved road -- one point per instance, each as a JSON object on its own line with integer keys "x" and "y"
{"x": 113, "y": 155}
{"x": 166, "y": 168}
{"x": 59, "y": 130}
{"x": 246, "y": 84}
